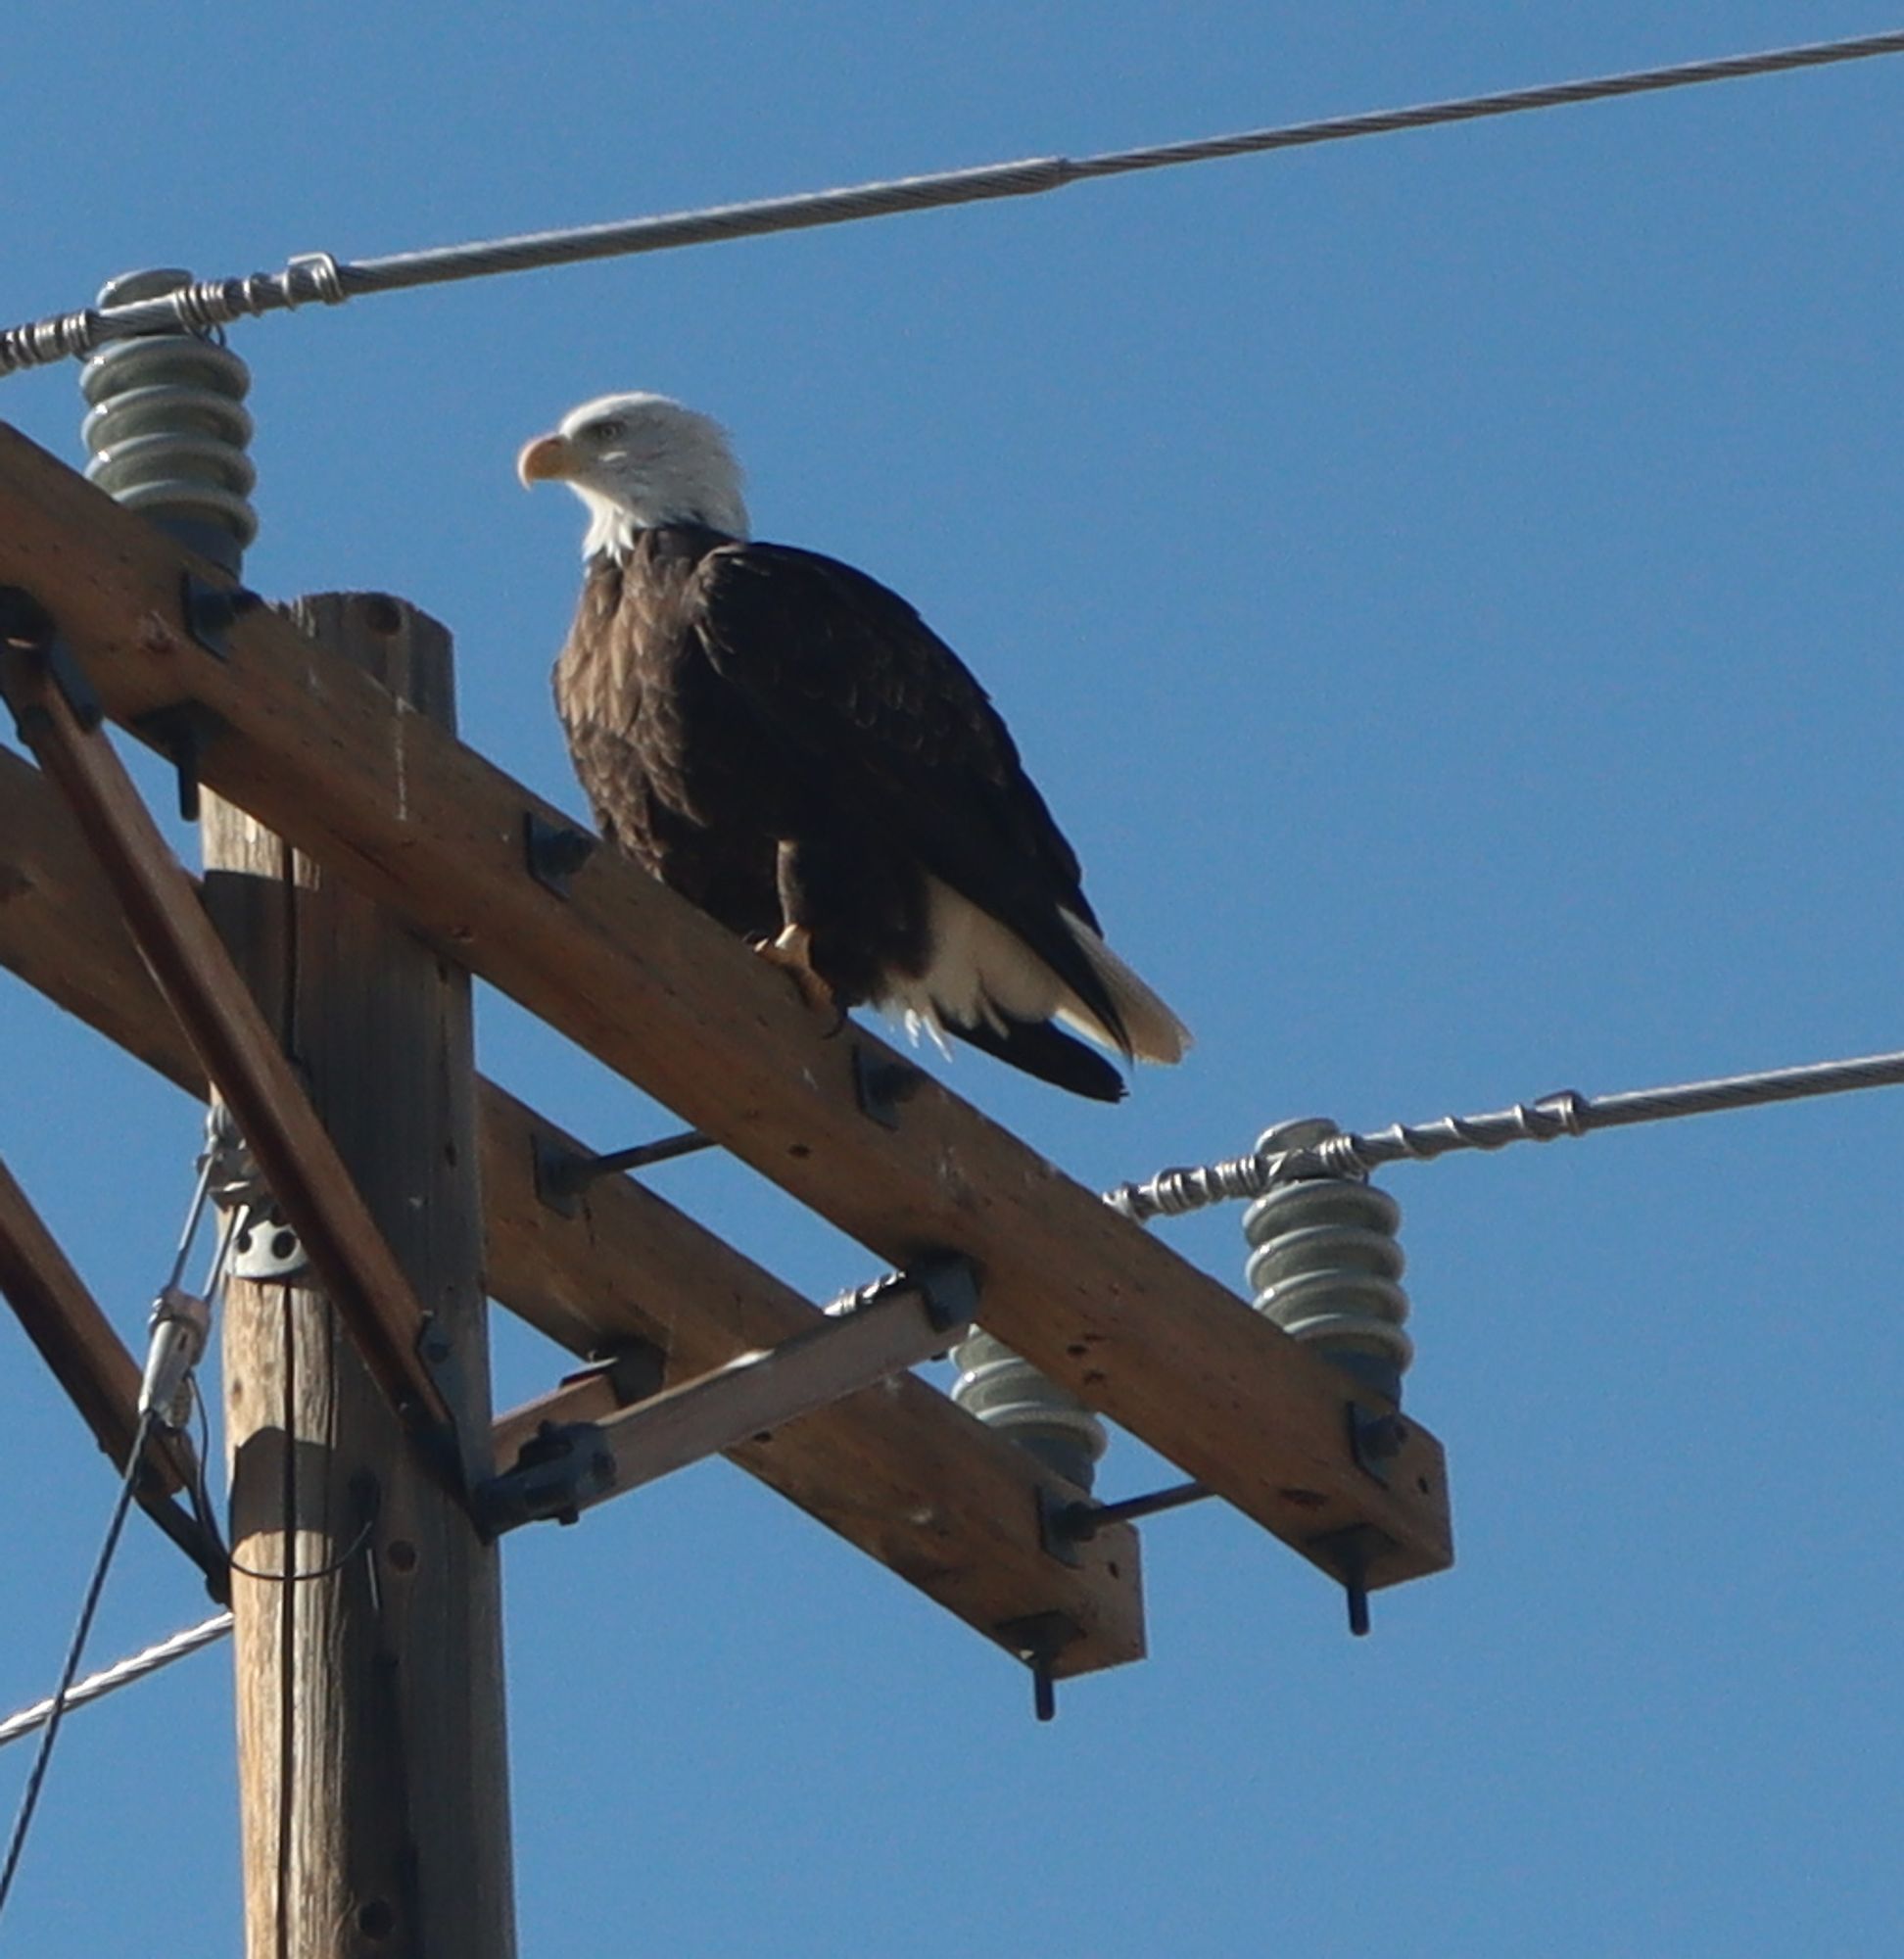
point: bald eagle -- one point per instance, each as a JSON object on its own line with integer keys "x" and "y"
{"x": 788, "y": 746}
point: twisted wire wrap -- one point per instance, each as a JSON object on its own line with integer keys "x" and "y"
{"x": 318, "y": 275}
{"x": 68, "y": 336}
{"x": 1566, "y": 1113}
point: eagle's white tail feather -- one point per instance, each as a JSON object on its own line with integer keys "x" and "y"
{"x": 923, "y": 1022}
{"x": 982, "y": 974}
{"x": 1156, "y": 1033}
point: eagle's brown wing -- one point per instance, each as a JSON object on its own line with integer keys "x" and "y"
{"x": 886, "y": 720}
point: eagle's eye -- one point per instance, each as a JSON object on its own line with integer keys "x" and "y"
{"x": 610, "y": 430}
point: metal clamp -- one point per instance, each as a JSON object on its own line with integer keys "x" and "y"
{"x": 181, "y": 1324}
{"x": 27, "y": 627}
{"x": 181, "y": 733}
{"x": 554, "y": 851}
{"x": 560, "y": 1467}
{"x": 881, "y": 1084}
{"x": 209, "y": 611}
{"x": 265, "y": 1248}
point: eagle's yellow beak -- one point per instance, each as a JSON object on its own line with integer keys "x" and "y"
{"x": 546, "y": 459}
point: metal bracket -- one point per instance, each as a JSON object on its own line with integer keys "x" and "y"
{"x": 1375, "y": 1439}
{"x": 554, "y": 851}
{"x": 947, "y": 1281}
{"x": 265, "y": 1249}
{"x": 1351, "y": 1552}
{"x": 950, "y": 1286}
{"x": 182, "y": 734}
{"x": 881, "y": 1084}
{"x": 560, "y": 1467}
{"x": 633, "y": 1369}
{"x": 557, "y": 1187}
{"x": 27, "y": 627}
{"x": 563, "y": 1173}
{"x": 1060, "y": 1529}
{"x": 1038, "y": 1639}
{"x": 444, "y": 1363}
{"x": 210, "y": 610}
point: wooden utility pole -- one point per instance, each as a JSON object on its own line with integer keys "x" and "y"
{"x": 371, "y": 1718}
{"x": 371, "y": 1746}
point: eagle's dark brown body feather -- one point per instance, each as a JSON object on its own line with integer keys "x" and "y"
{"x": 783, "y": 741}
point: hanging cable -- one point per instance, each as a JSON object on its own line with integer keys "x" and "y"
{"x": 55, "y": 1710}
{"x": 317, "y": 277}
{"x": 1173, "y": 1192}
{"x": 167, "y": 1392}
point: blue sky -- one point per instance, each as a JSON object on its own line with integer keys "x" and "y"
{"x": 1447, "y": 587}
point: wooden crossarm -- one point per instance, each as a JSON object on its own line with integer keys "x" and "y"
{"x": 897, "y": 1470}
{"x": 658, "y": 992}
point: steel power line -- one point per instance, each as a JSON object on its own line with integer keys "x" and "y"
{"x": 122, "y": 1673}
{"x": 1173, "y": 1192}
{"x": 317, "y": 277}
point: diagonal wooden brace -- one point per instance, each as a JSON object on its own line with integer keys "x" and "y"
{"x": 572, "y": 1454}
{"x": 228, "y": 1032}
{"x": 942, "y": 1501}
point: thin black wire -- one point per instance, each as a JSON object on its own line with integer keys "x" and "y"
{"x": 287, "y": 1635}
{"x": 29, "y": 1802}
{"x": 202, "y": 1508}
{"x": 208, "y": 304}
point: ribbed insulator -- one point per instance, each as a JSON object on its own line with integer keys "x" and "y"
{"x": 1006, "y": 1392}
{"x": 1325, "y": 1264}
{"x": 168, "y": 428}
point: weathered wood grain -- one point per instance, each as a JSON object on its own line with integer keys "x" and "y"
{"x": 897, "y": 1470}
{"x": 374, "y": 1690}
{"x": 657, "y": 991}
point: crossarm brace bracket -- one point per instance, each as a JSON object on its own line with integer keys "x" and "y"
{"x": 568, "y": 1467}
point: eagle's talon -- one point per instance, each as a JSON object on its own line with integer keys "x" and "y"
{"x": 793, "y": 953}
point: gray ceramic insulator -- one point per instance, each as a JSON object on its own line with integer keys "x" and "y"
{"x": 1325, "y": 1264}
{"x": 1006, "y": 1392}
{"x": 167, "y": 428}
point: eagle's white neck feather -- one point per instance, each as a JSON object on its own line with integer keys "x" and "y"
{"x": 661, "y": 464}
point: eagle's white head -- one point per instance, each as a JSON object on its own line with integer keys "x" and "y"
{"x": 638, "y": 461}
